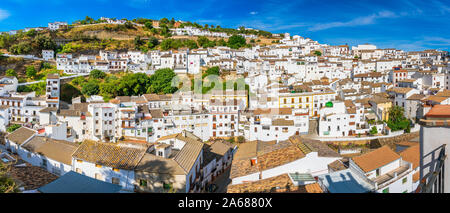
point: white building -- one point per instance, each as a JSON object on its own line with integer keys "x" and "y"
{"x": 48, "y": 55}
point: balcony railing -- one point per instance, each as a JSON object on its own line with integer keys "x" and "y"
{"x": 433, "y": 182}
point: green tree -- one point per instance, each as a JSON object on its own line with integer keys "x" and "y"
{"x": 133, "y": 84}
{"x": 13, "y": 127}
{"x": 128, "y": 25}
{"x": 374, "y": 130}
{"x": 161, "y": 81}
{"x": 203, "y": 41}
{"x": 211, "y": 71}
{"x": 97, "y": 74}
{"x": 68, "y": 91}
{"x": 163, "y": 21}
{"x": 148, "y": 25}
{"x": 44, "y": 43}
{"x": 21, "y": 48}
{"x": 397, "y": 120}
{"x": 236, "y": 41}
{"x": 11, "y": 72}
{"x": 109, "y": 89}
{"x": 90, "y": 88}
{"x": 78, "y": 81}
{"x": 31, "y": 72}
{"x": 318, "y": 53}
{"x": 190, "y": 44}
{"x": 221, "y": 42}
{"x": 31, "y": 33}
{"x": 152, "y": 42}
{"x": 138, "y": 42}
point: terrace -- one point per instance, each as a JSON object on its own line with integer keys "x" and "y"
{"x": 392, "y": 175}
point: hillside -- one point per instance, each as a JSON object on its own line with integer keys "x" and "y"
{"x": 85, "y": 38}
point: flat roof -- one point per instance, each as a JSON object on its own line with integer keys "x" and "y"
{"x": 345, "y": 181}
{"x": 73, "y": 182}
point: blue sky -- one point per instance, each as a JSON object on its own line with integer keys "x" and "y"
{"x": 403, "y": 24}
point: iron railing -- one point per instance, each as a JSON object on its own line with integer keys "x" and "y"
{"x": 433, "y": 182}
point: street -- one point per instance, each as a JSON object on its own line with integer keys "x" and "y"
{"x": 222, "y": 181}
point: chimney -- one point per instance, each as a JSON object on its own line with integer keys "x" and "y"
{"x": 253, "y": 161}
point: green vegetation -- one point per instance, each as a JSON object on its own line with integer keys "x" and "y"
{"x": 374, "y": 130}
{"x": 178, "y": 43}
{"x": 97, "y": 74}
{"x": 397, "y": 120}
{"x": 236, "y": 41}
{"x": 212, "y": 77}
{"x": 211, "y": 71}
{"x": 126, "y": 84}
{"x": 7, "y": 184}
{"x": 39, "y": 88}
{"x": 31, "y": 72}
{"x": 22, "y": 43}
{"x": 161, "y": 81}
{"x": 68, "y": 91}
{"x": 317, "y": 53}
{"x": 145, "y": 46}
{"x": 230, "y": 31}
{"x": 89, "y": 20}
{"x": 149, "y": 25}
{"x": 204, "y": 42}
{"x": 11, "y": 72}
{"x": 13, "y": 127}
{"x": 91, "y": 88}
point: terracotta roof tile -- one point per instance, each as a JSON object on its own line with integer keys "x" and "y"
{"x": 412, "y": 155}
{"x": 20, "y": 135}
{"x": 376, "y": 159}
{"x": 109, "y": 154}
{"x": 439, "y": 111}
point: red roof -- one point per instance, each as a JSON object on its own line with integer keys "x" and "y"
{"x": 439, "y": 111}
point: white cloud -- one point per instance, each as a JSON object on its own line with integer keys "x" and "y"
{"x": 253, "y": 13}
{"x": 4, "y": 14}
{"x": 359, "y": 21}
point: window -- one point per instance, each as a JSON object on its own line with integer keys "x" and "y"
{"x": 386, "y": 190}
{"x": 115, "y": 180}
{"x": 378, "y": 172}
{"x": 142, "y": 182}
{"x": 405, "y": 180}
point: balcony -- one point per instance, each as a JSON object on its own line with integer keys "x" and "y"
{"x": 392, "y": 175}
{"x": 128, "y": 126}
